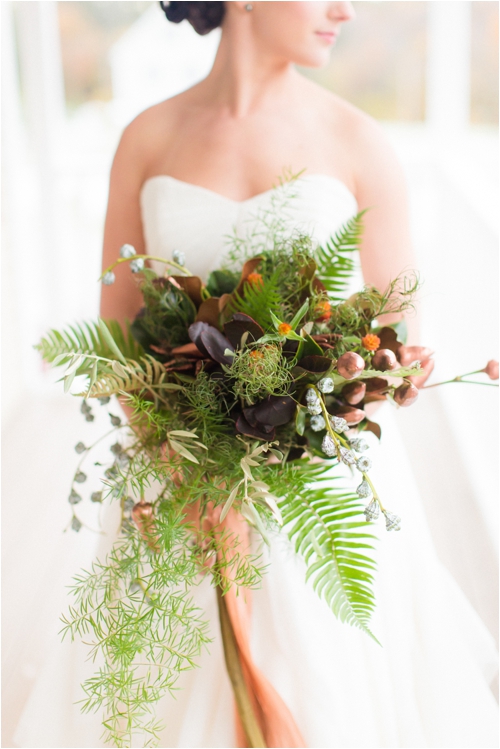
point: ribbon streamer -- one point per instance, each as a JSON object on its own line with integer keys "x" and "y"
{"x": 275, "y": 720}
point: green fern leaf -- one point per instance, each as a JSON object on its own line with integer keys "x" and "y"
{"x": 328, "y": 529}
{"x": 260, "y": 300}
{"x": 87, "y": 338}
{"x": 148, "y": 374}
{"x": 335, "y": 261}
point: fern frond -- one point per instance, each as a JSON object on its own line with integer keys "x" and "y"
{"x": 260, "y": 300}
{"x": 336, "y": 261}
{"x": 88, "y": 338}
{"x": 148, "y": 374}
{"x": 328, "y": 529}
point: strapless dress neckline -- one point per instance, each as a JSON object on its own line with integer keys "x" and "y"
{"x": 202, "y": 223}
{"x": 335, "y": 181}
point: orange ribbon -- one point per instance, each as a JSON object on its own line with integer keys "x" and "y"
{"x": 273, "y": 716}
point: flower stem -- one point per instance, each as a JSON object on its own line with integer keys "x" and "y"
{"x": 246, "y": 712}
{"x": 459, "y": 378}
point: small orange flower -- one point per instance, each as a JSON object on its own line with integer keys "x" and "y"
{"x": 371, "y": 342}
{"x": 256, "y": 354}
{"x": 323, "y": 311}
{"x": 284, "y": 328}
{"x": 255, "y": 279}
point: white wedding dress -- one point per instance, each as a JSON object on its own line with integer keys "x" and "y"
{"x": 428, "y": 686}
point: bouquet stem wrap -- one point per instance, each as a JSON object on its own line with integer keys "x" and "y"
{"x": 262, "y": 718}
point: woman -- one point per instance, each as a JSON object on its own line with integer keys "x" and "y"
{"x": 186, "y": 171}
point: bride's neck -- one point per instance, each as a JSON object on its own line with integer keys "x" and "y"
{"x": 244, "y": 77}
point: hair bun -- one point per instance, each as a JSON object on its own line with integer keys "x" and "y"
{"x": 175, "y": 12}
{"x": 203, "y": 16}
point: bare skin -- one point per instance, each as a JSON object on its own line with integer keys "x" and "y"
{"x": 253, "y": 116}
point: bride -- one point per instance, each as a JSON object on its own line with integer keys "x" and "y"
{"x": 186, "y": 173}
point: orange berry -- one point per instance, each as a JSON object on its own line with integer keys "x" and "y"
{"x": 284, "y": 328}
{"x": 370, "y": 342}
{"x": 323, "y": 311}
{"x": 255, "y": 279}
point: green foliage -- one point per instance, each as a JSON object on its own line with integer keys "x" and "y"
{"x": 221, "y": 282}
{"x": 336, "y": 261}
{"x": 167, "y": 314}
{"x": 88, "y": 338}
{"x": 143, "y": 625}
{"x": 259, "y": 300}
{"x": 144, "y": 376}
{"x": 259, "y": 371}
{"x": 328, "y": 529}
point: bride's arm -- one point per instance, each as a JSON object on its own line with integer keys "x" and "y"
{"x": 122, "y": 300}
{"x": 381, "y": 186}
{"x": 123, "y": 225}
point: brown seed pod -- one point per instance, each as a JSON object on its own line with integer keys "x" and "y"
{"x": 384, "y": 359}
{"x": 354, "y": 392}
{"x": 350, "y": 365}
{"x": 352, "y": 415}
{"x": 406, "y": 394}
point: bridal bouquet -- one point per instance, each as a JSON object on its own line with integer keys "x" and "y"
{"x": 247, "y": 392}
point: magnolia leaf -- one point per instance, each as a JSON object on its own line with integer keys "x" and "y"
{"x": 110, "y": 340}
{"x": 275, "y": 410}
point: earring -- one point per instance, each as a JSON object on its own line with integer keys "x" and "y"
{"x": 249, "y": 7}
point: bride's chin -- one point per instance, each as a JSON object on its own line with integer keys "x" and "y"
{"x": 316, "y": 59}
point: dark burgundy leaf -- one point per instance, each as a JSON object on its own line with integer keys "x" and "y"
{"x": 194, "y": 332}
{"x": 275, "y": 410}
{"x": 295, "y": 453}
{"x": 243, "y": 427}
{"x": 315, "y": 363}
{"x": 290, "y": 347}
{"x": 216, "y": 343}
{"x": 249, "y": 414}
{"x": 240, "y": 324}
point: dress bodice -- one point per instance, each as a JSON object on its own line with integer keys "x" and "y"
{"x": 181, "y": 216}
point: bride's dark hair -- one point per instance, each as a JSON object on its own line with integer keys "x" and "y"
{"x": 203, "y": 17}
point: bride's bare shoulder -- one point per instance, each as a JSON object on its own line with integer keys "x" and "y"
{"x": 372, "y": 158}
{"x": 149, "y": 134}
